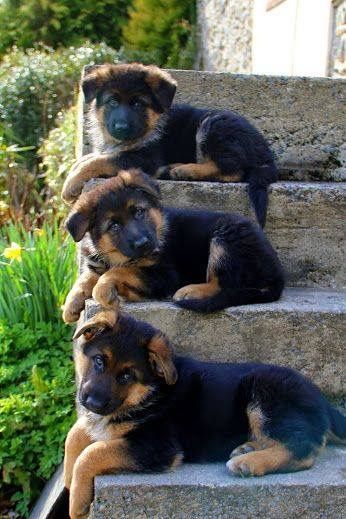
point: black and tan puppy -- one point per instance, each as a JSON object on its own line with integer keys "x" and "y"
{"x": 137, "y": 249}
{"x": 134, "y": 125}
{"x": 141, "y": 409}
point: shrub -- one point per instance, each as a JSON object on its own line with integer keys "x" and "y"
{"x": 36, "y": 406}
{"x": 163, "y": 30}
{"x": 36, "y": 271}
{"x": 36, "y": 374}
{"x": 57, "y": 154}
{"x": 61, "y": 22}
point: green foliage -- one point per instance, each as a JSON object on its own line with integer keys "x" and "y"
{"x": 36, "y": 406}
{"x": 36, "y": 272}
{"x": 162, "y": 30}
{"x": 36, "y": 374}
{"x": 57, "y": 154}
{"x": 37, "y": 84}
{"x": 61, "y": 22}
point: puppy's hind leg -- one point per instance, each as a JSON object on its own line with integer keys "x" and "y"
{"x": 282, "y": 437}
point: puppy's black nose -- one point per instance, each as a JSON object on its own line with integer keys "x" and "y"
{"x": 141, "y": 244}
{"x": 95, "y": 403}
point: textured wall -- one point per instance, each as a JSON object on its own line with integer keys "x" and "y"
{"x": 225, "y": 30}
{"x": 338, "y": 55}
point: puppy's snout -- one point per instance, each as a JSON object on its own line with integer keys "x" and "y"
{"x": 141, "y": 244}
{"x": 95, "y": 402}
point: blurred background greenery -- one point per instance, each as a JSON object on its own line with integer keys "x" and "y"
{"x": 43, "y": 48}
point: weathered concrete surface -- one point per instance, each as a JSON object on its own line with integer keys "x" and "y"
{"x": 209, "y": 491}
{"x": 306, "y": 223}
{"x": 305, "y": 330}
{"x": 303, "y": 118}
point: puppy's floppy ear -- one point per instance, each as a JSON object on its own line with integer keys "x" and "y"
{"x": 162, "y": 85}
{"x": 77, "y": 224}
{"x": 99, "y": 323}
{"x": 137, "y": 179}
{"x": 161, "y": 358}
{"x": 90, "y": 86}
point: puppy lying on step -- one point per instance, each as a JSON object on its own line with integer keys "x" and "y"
{"x": 141, "y": 409}
{"x": 133, "y": 124}
{"x": 137, "y": 249}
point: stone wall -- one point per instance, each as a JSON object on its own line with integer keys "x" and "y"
{"x": 338, "y": 54}
{"x": 225, "y": 35}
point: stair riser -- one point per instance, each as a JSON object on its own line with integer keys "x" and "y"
{"x": 305, "y": 223}
{"x": 311, "y": 342}
{"x": 221, "y": 503}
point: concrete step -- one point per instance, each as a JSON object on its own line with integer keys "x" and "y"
{"x": 305, "y": 330}
{"x": 302, "y": 118}
{"x": 305, "y": 223}
{"x": 209, "y": 491}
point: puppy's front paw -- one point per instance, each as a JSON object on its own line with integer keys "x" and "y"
{"x": 179, "y": 172}
{"x": 166, "y": 172}
{"x": 72, "y": 188}
{"x": 238, "y": 467}
{"x": 105, "y": 294}
{"x": 72, "y": 308}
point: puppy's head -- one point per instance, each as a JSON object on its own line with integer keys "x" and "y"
{"x": 123, "y": 216}
{"x": 128, "y": 99}
{"x": 121, "y": 364}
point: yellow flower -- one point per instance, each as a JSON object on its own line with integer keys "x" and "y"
{"x": 14, "y": 252}
{"x": 38, "y": 232}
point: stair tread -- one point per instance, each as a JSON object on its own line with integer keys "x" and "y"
{"x": 293, "y": 299}
{"x": 208, "y": 491}
{"x": 328, "y": 470}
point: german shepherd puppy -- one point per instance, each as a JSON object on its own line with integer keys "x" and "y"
{"x": 134, "y": 125}
{"x": 137, "y": 249}
{"x": 141, "y": 409}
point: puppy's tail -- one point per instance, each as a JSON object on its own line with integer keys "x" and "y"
{"x": 337, "y": 425}
{"x": 232, "y": 297}
{"x": 259, "y": 179}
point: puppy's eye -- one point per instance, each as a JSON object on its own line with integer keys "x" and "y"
{"x": 99, "y": 363}
{"x": 125, "y": 377}
{"x": 136, "y": 102}
{"x": 114, "y": 226}
{"x": 113, "y": 102}
{"x": 139, "y": 213}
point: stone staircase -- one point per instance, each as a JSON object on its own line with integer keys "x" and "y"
{"x": 304, "y": 120}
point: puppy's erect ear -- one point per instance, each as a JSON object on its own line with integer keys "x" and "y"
{"x": 161, "y": 358}
{"x": 162, "y": 85}
{"x": 137, "y": 179}
{"x": 77, "y": 224}
{"x": 101, "y": 322}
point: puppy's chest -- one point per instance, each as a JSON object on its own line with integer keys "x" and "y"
{"x": 100, "y": 428}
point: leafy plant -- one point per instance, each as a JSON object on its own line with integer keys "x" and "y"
{"x": 36, "y": 271}
{"x": 162, "y": 30}
{"x": 61, "y": 22}
{"x": 36, "y": 406}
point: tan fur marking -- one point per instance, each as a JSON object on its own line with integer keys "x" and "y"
{"x": 80, "y": 292}
{"x": 122, "y": 280}
{"x": 216, "y": 254}
{"x": 107, "y": 248}
{"x": 201, "y": 171}
{"x": 157, "y": 217}
{"x": 177, "y": 461}
{"x": 267, "y": 455}
{"x": 98, "y": 458}
{"x": 137, "y": 393}
{"x": 85, "y": 170}
{"x": 76, "y": 441}
{"x": 199, "y": 291}
{"x": 152, "y": 120}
